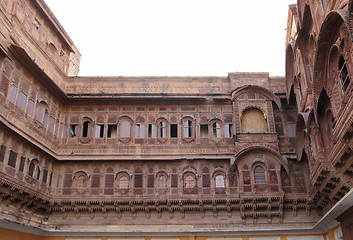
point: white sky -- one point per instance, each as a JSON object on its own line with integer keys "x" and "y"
{"x": 176, "y": 37}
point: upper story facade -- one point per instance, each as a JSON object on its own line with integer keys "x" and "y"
{"x": 80, "y": 148}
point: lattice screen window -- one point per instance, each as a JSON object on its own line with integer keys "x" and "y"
{"x": 138, "y": 181}
{"x": 206, "y": 183}
{"x": 174, "y": 180}
{"x": 95, "y": 181}
{"x": 150, "y": 181}
{"x": 22, "y": 164}
{"x": 259, "y": 175}
{"x": 12, "y": 159}
{"x": 343, "y": 73}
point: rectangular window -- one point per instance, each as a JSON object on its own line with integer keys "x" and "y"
{"x": 138, "y": 181}
{"x": 12, "y": 159}
{"x": 2, "y": 153}
{"x": 22, "y": 101}
{"x": 228, "y": 130}
{"x": 64, "y": 131}
{"x": 56, "y": 128}
{"x": 30, "y": 107}
{"x": 50, "y": 178}
{"x": 51, "y": 124}
{"x": 140, "y": 130}
{"x": 45, "y": 176}
{"x": 204, "y": 130}
{"x": 150, "y": 181}
{"x": 22, "y": 164}
{"x": 174, "y": 180}
{"x": 73, "y": 130}
{"x": 99, "y": 131}
{"x": 95, "y": 182}
{"x": 40, "y": 112}
{"x": 151, "y": 130}
{"x": 291, "y": 130}
{"x": 46, "y": 117}
{"x": 112, "y": 131}
{"x": 173, "y": 130}
{"x": 13, "y": 94}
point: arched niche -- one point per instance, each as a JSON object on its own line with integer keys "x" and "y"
{"x": 253, "y": 120}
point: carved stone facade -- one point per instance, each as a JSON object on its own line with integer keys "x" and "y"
{"x": 192, "y": 155}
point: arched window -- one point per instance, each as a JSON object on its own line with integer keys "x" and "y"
{"x": 216, "y": 130}
{"x": 41, "y": 108}
{"x": 259, "y": 175}
{"x": 86, "y": 129}
{"x": 37, "y": 173}
{"x": 123, "y": 182}
{"x": 189, "y": 181}
{"x": 31, "y": 169}
{"x": 253, "y": 121}
{"x": 188, "y": 129}
{"x": 219, "y": 181}
{"x": 162, "y": 129}
{"x": 162, "y": 181}
{"x": 343, "y": 73}
{"x": 125, "y": 129}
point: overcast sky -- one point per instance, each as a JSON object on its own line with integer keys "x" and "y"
{"x": 176, "y": 37}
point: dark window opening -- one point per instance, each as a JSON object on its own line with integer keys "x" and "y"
{"x": 2, "y": 153}
{"x": 31, "y": 169}
{"x": 85, "y": 129}
{"x": 37, "y": 173}
{"x": 22, "y": 164}
{"x": 45, "y": 176}
{"x": 343, "y": 74}
{"x": 12, "y": 159}
{"x": 173, "y": 130}
{"x": 99, "y": 131}
{"x": 112, "y": 131}
{"x": 204, "y": 130}
{"x": 50, "y": 178}
{"x": 73, "y": 129}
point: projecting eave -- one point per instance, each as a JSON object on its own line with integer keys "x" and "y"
{"x": 22, "y": 56}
